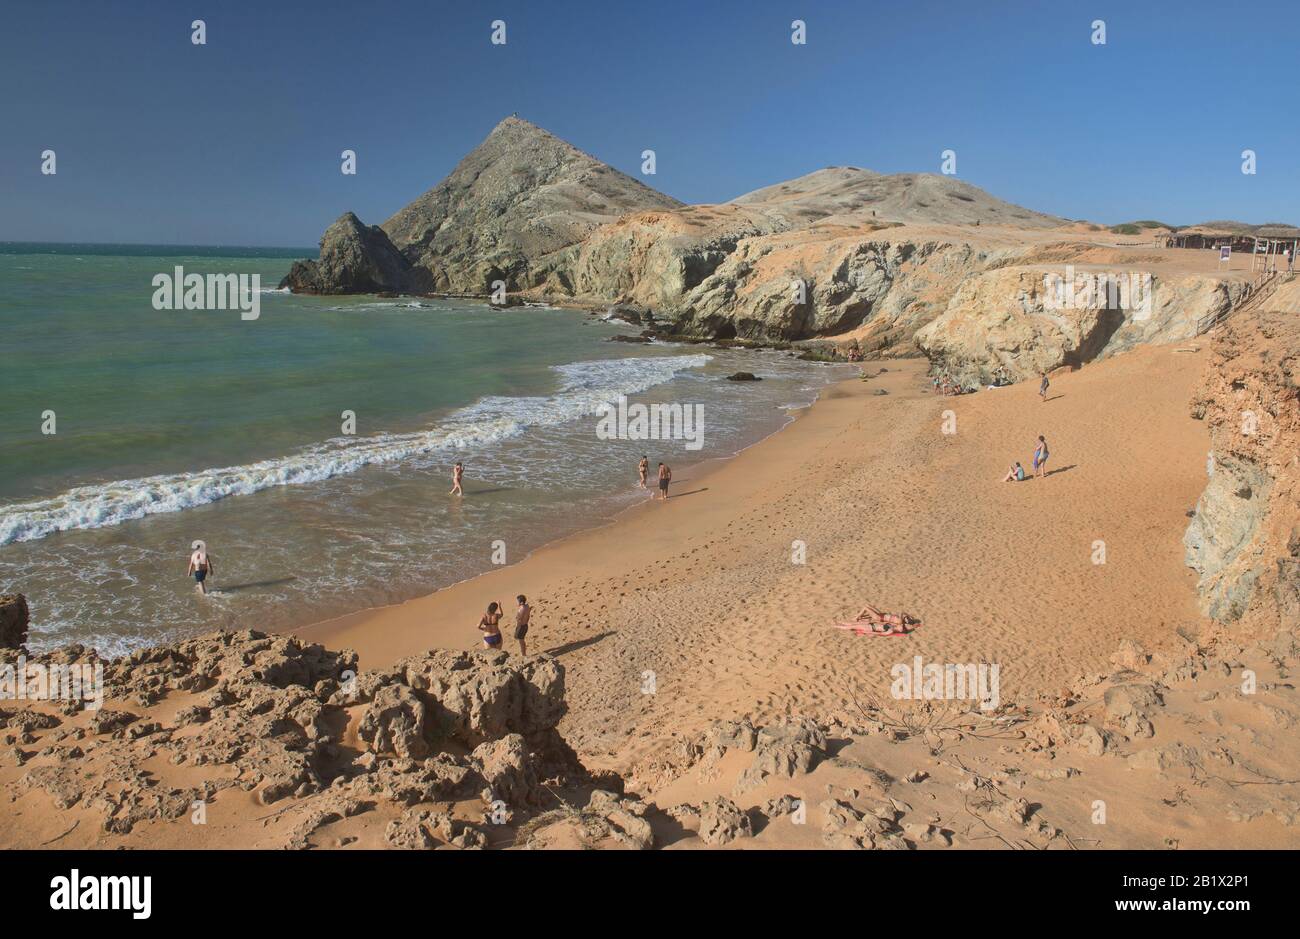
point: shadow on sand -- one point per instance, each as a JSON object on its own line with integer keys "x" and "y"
{"x": 578, "y": 644}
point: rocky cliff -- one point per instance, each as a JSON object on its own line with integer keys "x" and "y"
{"x": 894, "y": 263}
{"x": 516, "y": 199}
{"x": 1244, "y": 539}
{"x": 356, "y": 258}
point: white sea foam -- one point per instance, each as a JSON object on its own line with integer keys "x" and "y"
{"x": 584, "y": 387}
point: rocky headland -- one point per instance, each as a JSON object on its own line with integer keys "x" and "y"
{"x": 895, "y": 265}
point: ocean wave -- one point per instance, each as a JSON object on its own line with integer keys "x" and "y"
{"x": 584, "y": 387}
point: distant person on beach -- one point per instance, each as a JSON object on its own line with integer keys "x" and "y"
{"x": 1042, "y": 388}
{"x": 643, "y": 470}
{"x": 665, "y": 477}
{"x": 882, "y": 623}
{"x": 1040, "y": 456}
{"x": 200, "y": 565}
{"x": 523, "y": 613}
{"x": 1015, "y": 474}
{"x": 457, "y": 473}
{"x": 489, "y": 627}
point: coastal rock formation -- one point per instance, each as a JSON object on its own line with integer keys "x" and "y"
{"x": 1244, "y": 539}
{"x": 13, "y": 621}
{"x": 356, "y": 258}
{"x": 471, "y": 697}
{"x": 515, "y": 200}
{"x": 280, "y": 722}
{"x": 892, "y": 263}
{"x": 280, "y": 719}
{"x": 1005, "y": 323}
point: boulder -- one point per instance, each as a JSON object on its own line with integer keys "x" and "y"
{"x": 356, "y": 258}
{"x": 722, "y": 822}
{"x": 395, "y": 723}
{"x": 13, "y": 621}
{"x": 478, "y": 696}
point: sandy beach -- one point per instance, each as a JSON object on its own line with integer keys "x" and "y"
{"x": 703, "y": 591}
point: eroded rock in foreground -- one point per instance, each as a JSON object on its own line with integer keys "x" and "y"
{"x": 1244, "y": 539}
{"x": 13, "y": 621}
{"x": 243, "y": 739}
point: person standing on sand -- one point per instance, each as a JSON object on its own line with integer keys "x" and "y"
{"x": 457, "y": 474}
{"x": 1042, "y": 388}
{"x": 1040, "y": 456}
{"x": 488, "y": 626}
{"x": 523, "y": 613}
{"x": 665, "y": 477}
{"x": 200, "y": 566}
{"x": 643, "y": 470}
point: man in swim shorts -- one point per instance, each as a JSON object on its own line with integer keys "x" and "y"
{"x": 665, "y": 477}
{"x": 523, "y": 613}
{"x": 200, "y": 566}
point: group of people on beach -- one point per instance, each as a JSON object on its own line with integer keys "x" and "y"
{"x": 490, "y": 624}
{"x": 945, "y": 386}
{"x": 665, "y": 475}
{"x": 1016, "y": 473}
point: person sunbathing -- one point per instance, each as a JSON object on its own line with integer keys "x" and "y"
{"x": 880, "y": 623}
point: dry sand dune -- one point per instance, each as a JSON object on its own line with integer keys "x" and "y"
{"x": 702, "y": 591}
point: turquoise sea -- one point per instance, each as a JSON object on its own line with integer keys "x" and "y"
{"x": 171, "y": 426}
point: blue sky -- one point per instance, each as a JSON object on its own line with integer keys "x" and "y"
{"x": 238, "y": 141}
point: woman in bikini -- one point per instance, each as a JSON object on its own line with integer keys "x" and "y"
{"x": 1040, "y": 456}
{"x": 642, "y": 471}
{"x": 882, "y": 623}
{"x": 489, "y": 628}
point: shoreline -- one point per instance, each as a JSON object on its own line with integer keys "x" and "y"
{"x": 701, "y": 593}
{"x": 333, "y": 629}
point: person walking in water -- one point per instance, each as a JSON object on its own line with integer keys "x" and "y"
{"x": 488, "y": 626}
{"x": 665, "y": 477}
{"x": 1040, "y": 456}
{"x": 457, "y": 474}
{"x": 200, "y": 565}
{"x": 642, "y": 471}
{"x": 1042, "y": 388}
{"x": 523, "y": 613}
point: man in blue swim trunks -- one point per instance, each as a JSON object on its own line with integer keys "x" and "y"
{"x": 200, "y": 565}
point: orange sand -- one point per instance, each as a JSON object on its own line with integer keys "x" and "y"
{"x": 702, "y": 592}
